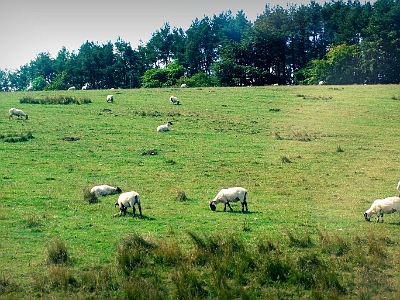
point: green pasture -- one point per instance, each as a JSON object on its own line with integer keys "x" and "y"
{"x": 313, "y": 158}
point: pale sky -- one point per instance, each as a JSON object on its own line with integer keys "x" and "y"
{"x": 30, "y": 27}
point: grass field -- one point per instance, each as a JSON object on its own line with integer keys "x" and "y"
{"x": 313, "y": 159}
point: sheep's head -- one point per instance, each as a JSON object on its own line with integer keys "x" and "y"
{"x": 367, "y": 217}
{"x": 213, "y": 206}
{"x": 118, "y": 190}
{"x": 169, "y": 123}
{"x": 26, "y": 117}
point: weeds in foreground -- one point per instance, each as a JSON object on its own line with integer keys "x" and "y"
{"x": 223, "y": 267}
{"x": 16, "y": 137}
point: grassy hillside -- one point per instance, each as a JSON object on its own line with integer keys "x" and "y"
{"x": 313, "y": 159}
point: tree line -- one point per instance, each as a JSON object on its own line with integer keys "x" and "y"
{"x": 337, "y": 42}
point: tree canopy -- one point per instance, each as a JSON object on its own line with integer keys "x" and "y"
{"x": 338, "y": 42}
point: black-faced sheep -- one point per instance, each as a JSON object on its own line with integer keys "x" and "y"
{"x": 110, "y": 98}
{"x": 105, "y": 190}
{"x": 383, "y": 206}
{"x": 164, "y": 127}
{"x": 226, "y": 196}
{"x": 17, "y": 112}
{"x": 129, "y": 199}
{"x": 174, "y": 100}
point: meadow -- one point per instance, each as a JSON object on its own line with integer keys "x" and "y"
{"x": 313, "y": 159}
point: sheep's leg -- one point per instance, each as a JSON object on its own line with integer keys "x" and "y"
{"x": 224, "y": 206}
{"x": 140, "y": 210}
{"x": 229, "y": 206}
{"x": 133, "y": 209}
{"x": 244, "y": 203}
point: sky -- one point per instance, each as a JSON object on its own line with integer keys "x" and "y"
{"x": 31, "y": 27}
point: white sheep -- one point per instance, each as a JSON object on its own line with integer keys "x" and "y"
{"x": 129, "y": 199}
{"x": 17, "y": 112}
{"x": 86, "y": 86}
{"x": 383, "y": 206}
{"x": 321, "y": 82}
{"x": 104, "y": 190}
{"x": 164, "y": 127}
{"x": 72, "y": 88}
{"x": 226, "y": 196}
{"x": 174, "y": 100}
{"x": 398, "y": 187}
{"x": 110, "y": 98}
{"x": 183, "y": 85}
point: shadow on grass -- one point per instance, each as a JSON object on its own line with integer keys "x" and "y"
{"x": 130, "y": 215}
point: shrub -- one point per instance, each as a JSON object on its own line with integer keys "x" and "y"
{"x": 55, "y": 100}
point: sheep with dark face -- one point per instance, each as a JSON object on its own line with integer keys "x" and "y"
{"x": 129, "y": 199}
{"x": 17, "y": 112}
{"x": 174, "y": 100}
{"x": 383, "y": 206}
{"x": 110, "y": 98}
{"x": 164, "y": 127}
{"x": 226, "y": 196}
{"x": 105, "y": 190}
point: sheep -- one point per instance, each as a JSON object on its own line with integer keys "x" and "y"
{"x": 110, "y": 98}
{"x": 104, "y": 190}
{"x": 174, "y": 100}
{"x": 164, "y": 127}
{"x": 383, "y": 206}
{"x": 17, "y": 112}
{"x": 129, "y": 199}
{"x": 398, "y": 187}
{"x": 321, "y": 82}
{"x": 86, "y": 86}
{"x": 72, "y": 88}
{"x": 233, "y": 194}
{"x": 183, "y": 85}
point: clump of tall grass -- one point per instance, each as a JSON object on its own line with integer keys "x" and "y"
{"x": 61, "y": 277}
{"x": 89, "y": 197}
{"x": 285, "y": 159}
{"x": 32, "y": 222}
{"x": 181, "y": 196}
{"x": 57, "y": 252}
{"x": 302, "y": 241}
{"x": 55, "y": 100}
{"x": 16, "y": 137}
{"x": 132, "y": 252}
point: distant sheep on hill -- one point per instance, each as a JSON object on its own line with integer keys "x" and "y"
{"x": 110, "y": 98}
{"x": 233, "y": 194}
{"x": 183, "y": 85}
{"x": 17, "y": 112}
{"x": 164, "y": 127}
{"x": 86, "y": 86}
{"x": 174, "y": 100}
{"x": 383, "y": 206}
{"x": 72, "y": 88}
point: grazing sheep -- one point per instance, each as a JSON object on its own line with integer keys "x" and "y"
{"x": 72, "y": 88}
{"x": 321, "y": 82}
{"x": 129, "y": 199}
{"x": 233, "y": 194}
{"x": 17, "y": 112}
{"x": 383, "y": 206}
{"x": 164, "y": 127}
{"x": 104, "y": 190}
{"x": 86, "y": 86}
{"x": 110, "y": 98}
{"x": 183, "y": 85}
{"x": 174, "y": 100}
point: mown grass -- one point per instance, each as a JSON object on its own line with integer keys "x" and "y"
{"x": 312, "y": 165}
